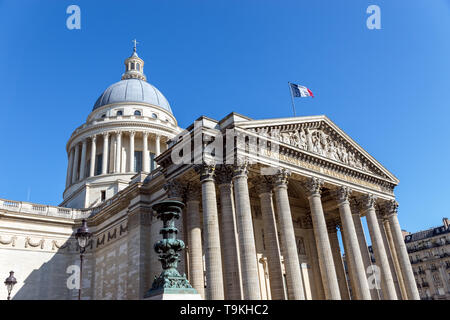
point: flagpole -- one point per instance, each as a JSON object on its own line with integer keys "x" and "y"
{"x": 292, "y": 98}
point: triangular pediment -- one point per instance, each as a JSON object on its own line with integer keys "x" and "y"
{"x": 319, "y": 136}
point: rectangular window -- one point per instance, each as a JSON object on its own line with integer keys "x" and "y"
{"x": 103, "y": 195}
{"x": 152, "y": 162}
{"x": 98, "y": 164}
{"x": 137, "y": 161}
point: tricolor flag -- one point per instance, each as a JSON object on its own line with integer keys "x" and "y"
{"x": 300, "y": 91}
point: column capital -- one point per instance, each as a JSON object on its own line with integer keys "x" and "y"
{"x": 355, "y": 206}
{"x": 390, "y": 208}
{"x": 367, "y": 201}
{"x": 93, "y": 138}
{"x": 132, "y": 133}
{"x": 175, "y": 189}
{"x": 240, "y": 169}
{"x": 105, "y": 134}
{"x": 206, "y": 171}
{"x": 342, "y": 195}
{"x": 84, "y": 141}
{"x": 313, "y": 186}
{"x": 281, "y": 179}
{"x": 145, "y": 134}
{"x": 224, "y": 174}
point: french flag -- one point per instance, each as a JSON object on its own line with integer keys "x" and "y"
{"x": 300, "y": 91}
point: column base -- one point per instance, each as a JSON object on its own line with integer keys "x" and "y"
{"x": 173, "y": 294}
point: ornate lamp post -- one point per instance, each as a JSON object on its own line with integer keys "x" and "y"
{"x": 170, "y": 280}
{"x": 9, "y": 283}
{"x": 83, "y": 235}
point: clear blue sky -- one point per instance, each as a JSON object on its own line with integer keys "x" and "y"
{"x": 388, "y": 88}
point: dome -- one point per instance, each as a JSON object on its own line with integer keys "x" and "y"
{"x": 132, "y": 90}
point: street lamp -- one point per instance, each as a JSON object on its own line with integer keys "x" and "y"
{"x": 9, "y": 283}
{"x": 83, "y": 235}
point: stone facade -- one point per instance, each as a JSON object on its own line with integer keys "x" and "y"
{"x": 261, "y": 221}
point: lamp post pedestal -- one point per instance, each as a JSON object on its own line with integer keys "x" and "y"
{"x": 170, "y": 284}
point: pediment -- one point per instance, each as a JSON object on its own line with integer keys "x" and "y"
{"x": 319, "y": 136}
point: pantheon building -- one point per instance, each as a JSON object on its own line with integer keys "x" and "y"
{"x": 271, "y": 208}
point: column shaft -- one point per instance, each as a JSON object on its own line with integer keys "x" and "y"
{"x": 363, "y": 247}
{"x": 214, "y": 275}
{"x": 195, "y": 246}
{"x": 387, "y": 283}
{"x": 290, "y": 253}
{"x": 247, "y": 248}
{"x": 145, "y": 159}
{"x": 353, "y": 255}
{"x": 390, "y": 258}
{"x": 118, "y": 164}
{"x": 403, "y": 259}
{"x": 327, "y": 268}
{"x": 398, "y": 270}
{"x": 105, "y": 153}
{"x": 157, "y": 145}
{"x": 93, "y": 156}
{"x": 83, "y": 159}
{"x": 75, "y": 164}
{"x": 229, "y": 243}
{"x": 337, "y": 257}
{"x": 69, "y": 168}
{"x": 272, "y": 246}
{"x": 131, "y": 155}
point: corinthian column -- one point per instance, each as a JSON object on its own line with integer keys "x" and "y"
{"x": 93, "y": 152}
{"x": 83, "y": 159}
{"x": 402, "y": 254}
{"x": 131, "y": 156}
{"x": 387, "y": 283}
{"x": 214, "y": 277}
{"x": 194, "y": 237}
{"x": 224, "y": 175}
{"x": 264, "y": 187}
{"x": 337, "y": 257}
{"x": 75, "y": 163}
{"x": 353, "y": 255}
{"x": 105, "y": 153}
{"x": 69, "y": 168}
{"x": 117, "y": 167}
{"x": 367, "y": 260}
{"x": 313, "y": 188}
{"x": 145, "y": 159}
{"x": 247, "y": 248}
{"x": 291, "y": 261}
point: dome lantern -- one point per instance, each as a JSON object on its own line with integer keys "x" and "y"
{"x": 134, "y": 66}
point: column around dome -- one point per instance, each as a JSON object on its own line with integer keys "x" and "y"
{"x": 105, "y": 153}
{"x": 93, "y": 155}
{"x": 145, "y": 159}
{"x": 131, "y": 155}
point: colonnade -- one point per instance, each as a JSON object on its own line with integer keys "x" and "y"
{"x": 232, "y": 260}
{"x": 112, "y": 160}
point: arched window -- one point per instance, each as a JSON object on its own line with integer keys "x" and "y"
{"x": 103, "y": 115}
{"x": 138, "y": 66}
{"x": 132, "y": 66}
{"x": 137, "y": 113}
{"x": 119, "y": 113}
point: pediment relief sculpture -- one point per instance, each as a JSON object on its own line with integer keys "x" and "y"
{"x": 324, "y": 142}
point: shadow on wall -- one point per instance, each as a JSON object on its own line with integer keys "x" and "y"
{"x": 49, "y": 275}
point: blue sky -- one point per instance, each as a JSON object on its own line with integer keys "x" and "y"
{"x": 388, "y": 89}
